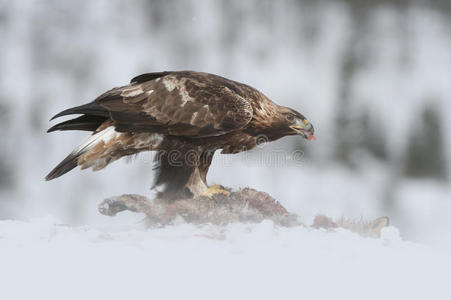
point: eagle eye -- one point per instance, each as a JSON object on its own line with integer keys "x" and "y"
{"x": 290, "y": 118}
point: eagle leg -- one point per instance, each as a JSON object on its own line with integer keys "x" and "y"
{"x": 196, "y": 183}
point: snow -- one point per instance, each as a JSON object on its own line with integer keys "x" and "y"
{"x": 42, "y": 259}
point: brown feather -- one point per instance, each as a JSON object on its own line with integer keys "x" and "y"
{"x": 191, "y": 113}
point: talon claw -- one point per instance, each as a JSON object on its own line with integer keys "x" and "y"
{"x": 215, "y": 189}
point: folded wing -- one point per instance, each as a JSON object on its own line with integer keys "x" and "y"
{"x": 186, "y": 103}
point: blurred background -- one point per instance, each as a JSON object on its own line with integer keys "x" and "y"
{"x": 372, "y": 76}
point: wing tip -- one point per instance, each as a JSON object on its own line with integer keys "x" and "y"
{"x": 85, "y": 123}
{"x": 52, "y": 129}
{"x": 91, "y": 108}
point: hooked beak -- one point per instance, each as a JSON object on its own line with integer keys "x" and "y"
{"x": 304, "y": 129}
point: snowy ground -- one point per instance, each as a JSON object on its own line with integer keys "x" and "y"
{"x": 42, "y": 259}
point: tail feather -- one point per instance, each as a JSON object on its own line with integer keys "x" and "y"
{"x": 71, "y": 161}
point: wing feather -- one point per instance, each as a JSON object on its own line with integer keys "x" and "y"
{"x": 188, "y": 104}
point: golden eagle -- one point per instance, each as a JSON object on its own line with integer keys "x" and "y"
{"x": 184, "y": 115}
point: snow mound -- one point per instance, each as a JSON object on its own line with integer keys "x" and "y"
{"x": 42, "y": 259}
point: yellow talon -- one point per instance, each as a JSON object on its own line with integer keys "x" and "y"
{"x": 215, "y": 189}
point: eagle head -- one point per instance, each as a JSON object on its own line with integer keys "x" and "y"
{"x": 296, "y": 123}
